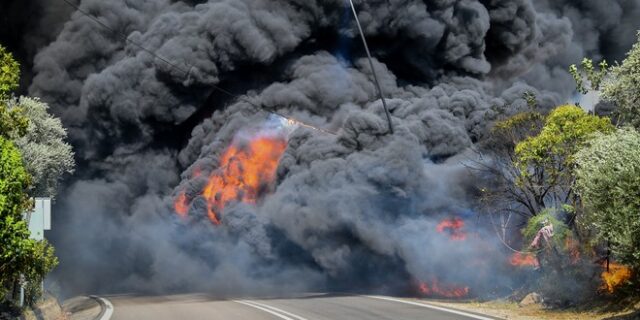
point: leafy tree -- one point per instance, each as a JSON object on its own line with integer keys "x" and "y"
{"x": 9, "y": 73}
{"x": 14, "y": 235}
{"x": 12, "y": 123}
{"x": 14, "y": 181}
{"x": 608, "y": 180}
{"x": 46, "y": 155}
{"x": 619, "y": 84}
{"x": 623, "y": 87}
{"x": 533, "y": 158}
{"x": 21, "y": 258}
{"x": 545, "y": 161}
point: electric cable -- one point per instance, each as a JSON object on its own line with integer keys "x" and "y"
{"x": 373, "y": 71}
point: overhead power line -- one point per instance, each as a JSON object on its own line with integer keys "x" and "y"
{"x": 373, "y": 70}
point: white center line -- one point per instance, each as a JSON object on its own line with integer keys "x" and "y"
{"x": 424, "y": 305}
{"x": 279, "y": 310}
{"x": 272, "y": 310}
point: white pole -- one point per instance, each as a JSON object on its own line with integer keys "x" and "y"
{"x": 373, "y": 71}
{"x": 21, "y": 291}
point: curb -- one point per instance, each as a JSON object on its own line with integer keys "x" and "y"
{"x": 106, "y": 306}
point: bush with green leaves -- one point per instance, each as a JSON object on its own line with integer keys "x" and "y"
{"x": 608, "y": 181}
{"x": 564, "y": 279}
{"x": 560, "y": 230}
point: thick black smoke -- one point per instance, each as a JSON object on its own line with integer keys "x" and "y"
{"x": 352, "y": 211}
{"x": 26, "y": 26}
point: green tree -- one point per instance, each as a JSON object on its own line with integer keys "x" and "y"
{"x": 532, "y": 158}
{"x": 21, "y": 258}
{"x": 9, "y": 73}
{"x": 608, "y": 181}
{"x": 623, "y": 87}
{"x": 46, "y": 155}
{"x": 12, "y": 122}
{"x": 14, "y": 235}
{"x": 545, "y": 161}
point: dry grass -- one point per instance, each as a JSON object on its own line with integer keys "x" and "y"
{"x": 609, "y": 310}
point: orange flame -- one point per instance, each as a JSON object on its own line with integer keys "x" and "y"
{"x": 446, "y": 291}
{"x": 181, "y": 205}
{"x": 454, "y": 227}
{"x": 523, "y": 260}
{"x": 246, "y": 170}
{"x": 616, "y": 276}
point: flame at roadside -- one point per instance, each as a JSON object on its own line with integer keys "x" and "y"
{"x": 617, "y": 276}
{"x": 454, "y": 227}
{"x": 435, "y": 289}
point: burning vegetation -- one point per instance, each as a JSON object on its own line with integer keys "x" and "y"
{"x": 435, "y": 289}
{"x": 453, "y": 227}
{"x": 614, "y": 276}
{"x": 246, "y": 171}
{"x": 522, "y": 259}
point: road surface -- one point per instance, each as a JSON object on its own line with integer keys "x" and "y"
{"x": 307, "y": 307}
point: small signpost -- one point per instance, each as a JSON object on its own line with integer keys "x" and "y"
{"x": 38, "y": 220}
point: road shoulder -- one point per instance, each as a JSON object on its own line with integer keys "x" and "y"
{"x": 511, "y": 310}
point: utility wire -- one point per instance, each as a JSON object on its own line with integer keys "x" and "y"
{"x": 375, "y": 75}
{"x": 124, "y": 36}
{"x": 186, "y": 73}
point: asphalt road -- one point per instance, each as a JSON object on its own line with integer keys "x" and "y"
{"x": 308, "y": 307}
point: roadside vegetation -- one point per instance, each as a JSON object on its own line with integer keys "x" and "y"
{"x": 579, "y": 172}
{"x": 33, "y": 158}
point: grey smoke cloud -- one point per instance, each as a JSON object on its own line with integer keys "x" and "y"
{"x": 352, "y": 211}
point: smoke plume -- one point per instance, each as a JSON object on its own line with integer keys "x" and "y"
{"x": 356, "y": 210}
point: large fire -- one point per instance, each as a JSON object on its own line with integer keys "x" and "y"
{"x": 454, "y": 227}
{"x": 616, "y": 276}
{"x": 246, "y": 170}
{"x": 524, "y": 260}
{"x": 434, "y": 288}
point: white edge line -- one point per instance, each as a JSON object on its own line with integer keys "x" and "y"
{"x": 424, "y": 305}
{"x": 247, "y": 303}
{"x": 108, "y": 312}
{"x": 279, "y": 310}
